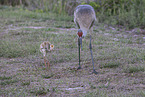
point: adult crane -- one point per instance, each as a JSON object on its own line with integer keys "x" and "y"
{"x": 84, "y": 18}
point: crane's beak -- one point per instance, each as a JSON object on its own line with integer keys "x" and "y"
{"x": 80, "y": 39}
{"x": 80, "y": 33}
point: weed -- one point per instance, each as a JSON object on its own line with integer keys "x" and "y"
{"x": 92, "y": 87}
{"x": 111, "y": 64}
{"x": 5, "y": 77}
{"x": 39, "y": 91}
{"x": 25, "y": 83}
{"x": 13, "y": 49}
{"x": 131, "y": 68}
{"x": 103, "y": 86}
{"x": 8, "y": 82}
{"x": 96, "y": 93}
{"x": 54, "y": 89}
{"x": 39, "y": 30}
{"x": 142, "y": 93}
{"x": 47, "y": 76}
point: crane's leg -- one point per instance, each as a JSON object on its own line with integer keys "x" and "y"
{"x": 90, "y": 46}
{"x": 79, "y": 43}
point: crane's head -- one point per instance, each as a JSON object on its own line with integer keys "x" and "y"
{"x": 51, "y": 46}
{"x": 80, "y": 33}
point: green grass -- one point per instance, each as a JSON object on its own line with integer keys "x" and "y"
{"x": 22, "y": 68}
{"x": 104, "y": 93}
{"x": 47, "y": 76}
{"x": 13, "y": 49}
{"x": 132, "y": 68}
{"x": 128, "y": 13}
{"x": 8, "y": 82}
{"x": 39, "y": 30}
{"x": 25, "y": 83}
{"x": 111, "y": 64}
{"x": 96, "y": 93}
{"x": 5, "y": 77}
{"x": 39, "y": 91}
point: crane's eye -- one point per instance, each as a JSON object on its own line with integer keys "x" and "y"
{"x": 52, "y": 46}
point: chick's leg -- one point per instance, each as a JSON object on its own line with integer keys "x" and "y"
{"x": 48, "y": 64}
{"x": 45, "y": 59}
{"x": 45, "y": 62}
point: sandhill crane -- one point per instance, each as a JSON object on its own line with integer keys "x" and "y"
{"x": 84, "y": 18}
{"x": 46, "y": 47}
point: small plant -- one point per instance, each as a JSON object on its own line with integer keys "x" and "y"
{"x": 92, "y": 86}
{"x": 132, "y": 69}
{"x": 111, "y": 64}
{"x": 39, "y": 91}
{"x": 26, "y": 83}
{"x": 96, "y": 93}
{"x": 142, "y": 93}
{"x": 47, "y": 76}
{"x": 5, "y": 77}
{"x": 8, "y": 82}
{"x": 51, "y": 29}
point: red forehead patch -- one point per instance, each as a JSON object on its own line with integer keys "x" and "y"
{"x": 80, "y": 34}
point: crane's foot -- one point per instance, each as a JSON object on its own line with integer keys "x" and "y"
{"x": 94, "y": 71}
{"x": 79, "y": 68}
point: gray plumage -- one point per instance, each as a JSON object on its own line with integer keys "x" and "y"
{"x": 84, "y": 17}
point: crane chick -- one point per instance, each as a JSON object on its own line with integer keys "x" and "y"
{"x": 46, "y": 47}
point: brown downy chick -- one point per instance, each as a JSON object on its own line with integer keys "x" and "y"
{"x": 46, "y": 47}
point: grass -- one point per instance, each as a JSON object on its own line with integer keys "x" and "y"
{"x": 120, "y": 12}
{"x": 116, "y": 57}
{"x": 8, "y": 82}
{"x": 47, "y": 76}
{"x": 98, "y": 93}
{"x": 132, "y": 68}
{"x": 12, "y": 49}
{"x": 5, "y": 77}
{"x": 111, "y": 64}
{"x": 39, "y": 91}
{"x": 26, "y": 83}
